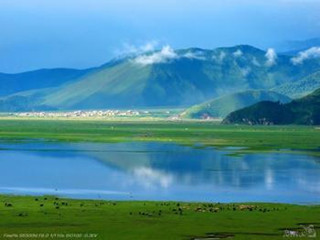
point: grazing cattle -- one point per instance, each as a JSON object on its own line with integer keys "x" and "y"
{"x": 198, "y": 209}
{"x": 290, "y": 233}
{"x": 246, "y": 207}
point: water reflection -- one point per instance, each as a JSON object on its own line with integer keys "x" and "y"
{"x": 157, "y": 171}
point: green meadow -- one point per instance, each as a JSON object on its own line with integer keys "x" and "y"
{"x": 48, "y": 217}
{"x": 252, "y": 138}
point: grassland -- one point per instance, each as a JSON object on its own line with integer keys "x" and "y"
{"x": 150, "y": 220}
{"x": 253, "y": 138}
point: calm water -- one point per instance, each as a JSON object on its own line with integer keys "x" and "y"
{"x": 157, "y": 171}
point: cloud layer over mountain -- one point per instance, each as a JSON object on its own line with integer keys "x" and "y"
{"x": 313, "y": 52}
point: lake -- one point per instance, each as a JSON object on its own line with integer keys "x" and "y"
{"x": 157, "y": 171}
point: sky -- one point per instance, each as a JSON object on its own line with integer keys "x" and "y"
{"x": 38, "y": 34}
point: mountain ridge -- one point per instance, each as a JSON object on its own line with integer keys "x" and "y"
{"x": 166, "y": 77}
{"x": 305, "y": 110}
{"x": 222, "y": 106}
{"x": 42, "y": 78}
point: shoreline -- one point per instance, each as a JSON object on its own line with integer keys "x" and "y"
{"x": 154, "y": 200}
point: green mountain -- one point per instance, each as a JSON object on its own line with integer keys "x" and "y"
{"x": 164, "y": 78}
{"x": 25, "y": 101}
{"x": 305, "y": 110}
{"x": 222, "y": 106}
{"x": 300, "y": 88}
{"x": 44, "y": 78}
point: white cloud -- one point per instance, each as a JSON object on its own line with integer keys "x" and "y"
{"x": 245, "y": 71}
{"x": 150, "y": 177}
{"x": 165, "y": 55}
{"x": 271, "y": 56}
{"x": 269, "y": 179}
{"x": 195, "y": 55}
{"x": 130, "y": 49}
{"x": 220, "y": 57}
{"x": 255, "y": 62}
{"x": 149, "y": 46}
{"x": 238, "y": 53}
{"x": 313, "y": 52}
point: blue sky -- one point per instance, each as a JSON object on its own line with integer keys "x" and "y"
{"x": 84, "y": 33}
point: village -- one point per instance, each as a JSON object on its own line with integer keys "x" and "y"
{"x": 104, "y": 114}
{"x": 82, "y": 114}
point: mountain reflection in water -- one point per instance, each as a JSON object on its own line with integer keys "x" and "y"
{"x": 157, "y": 171}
